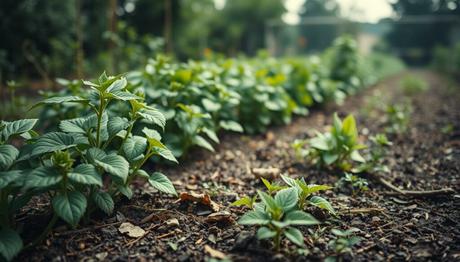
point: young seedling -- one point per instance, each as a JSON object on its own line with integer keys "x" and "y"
{"x": 412, "y": 85}
{"x": 344, "y": 242}
{"x": 375, "y": 159}
{"x": 398, "y": 117}
{"x": 305, "y": 193}
{"x": 357, "y": 184}
{"x": 339, "y": 147}
{"x": 278, "y": 216}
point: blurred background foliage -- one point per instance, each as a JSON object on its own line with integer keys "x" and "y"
{"x": 74, "y": 38}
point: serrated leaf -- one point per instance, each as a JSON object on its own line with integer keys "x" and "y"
{"x": 8, "y": 154}
{"x": 43, "y": 177}
{"x": 85, "y": 174}
{"x": 254, "y": 218}
{"x": 133, "y": 147}
{"x": 116, "y": 124}
{"x": 125, "y": 190}
{"x": 60, "y": 100}
{"x": 295, "y": 236}
{"x": 287, "y": 198}
{"x": 211, "y": 134}
{"x": 153, "y": 116}
{"x": 265, "y": 232}
{"x": 124, "y": 96}
{"x": 7, "y": 177}
{"x": 162, "y": 183}
{"x": 151, "y": 133}
{"x": 268, "y": 201}
{"x": 115, "y": 165}
{"x": 298, "y": 217}
{"x": 75, "y": 125}
{"x": 104, "y": 201}
{"x": 54, "y": 141}
{"x": 16, "y": 128}
{"x": 10, "y": 243}
{"x": 117, "y": 85}
{"x": 70, "y": 206}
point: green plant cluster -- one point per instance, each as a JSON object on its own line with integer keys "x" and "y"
{"x": 447, "y": 60}
{"x": 201, "y": 98}
{"x": 86, "y": 165}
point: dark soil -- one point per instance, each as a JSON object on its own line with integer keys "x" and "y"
{"x": 392, "y": 227}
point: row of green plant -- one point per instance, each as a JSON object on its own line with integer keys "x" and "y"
{"x": 86, "y": 165}
{"x": 199, "y": 99}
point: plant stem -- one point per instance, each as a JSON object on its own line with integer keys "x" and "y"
{"x": 99, "y": 120}
{"x": 278, "y": 240}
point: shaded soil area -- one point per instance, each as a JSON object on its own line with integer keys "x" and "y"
{"x": 392, "y": 227}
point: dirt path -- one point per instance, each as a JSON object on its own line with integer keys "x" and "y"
{"x": 426, "y": 157}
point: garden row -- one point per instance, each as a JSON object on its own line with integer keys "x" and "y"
{"x": 87, "y": 163}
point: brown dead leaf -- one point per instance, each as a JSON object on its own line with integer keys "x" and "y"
{"x": 222, "y": 216}
{"x": 131, "y": 230}
{"x": 267, "y": 173}
{"x": 214, "y": 253}
{"x": 200, "y": 198}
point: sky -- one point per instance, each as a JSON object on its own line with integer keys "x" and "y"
{"x": 358, "y": 10}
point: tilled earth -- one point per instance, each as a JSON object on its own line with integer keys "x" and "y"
{"x": 391, "y": 226}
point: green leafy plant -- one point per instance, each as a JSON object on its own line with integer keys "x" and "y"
{"x": 357, "y": 184}
{"x": 375, "y": 158}
{"x": 344, "y": 242}
{"x": 277, "y": 217}
{"x": 339, "y": 147}
{"x": 305, "y": 193}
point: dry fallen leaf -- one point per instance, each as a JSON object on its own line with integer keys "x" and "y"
{"x": 223, "y": 216}
{"x": 131, "y": 230}
{"x": 200, "y": 198}
{"x": 268, "y": 173}
{"x": 214, "y": 253}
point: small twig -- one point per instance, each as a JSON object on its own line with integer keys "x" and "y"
{"x": 87, "y": 229}
{"x": 166, "y": 235}
{"x": 365, "y": 248}
{"x": 147, "y": 231}
{"x": 362, "y": 210}
{"x": 411, "y": 193}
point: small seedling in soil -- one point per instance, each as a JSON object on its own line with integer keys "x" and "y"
{"x": 354, "y": 183}
{"x": 246, "y": 201}
{"x": 375, "y": 159}
{"x": 272, "y": 187}
{"x": 305, "y": 193}
{"x": 339, "y": 147}
{"x": 278, "y": 217}
{"x": 343, "y": 244}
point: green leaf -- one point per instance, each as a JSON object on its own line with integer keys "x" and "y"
{"x": 231, "y": 126}
{"x": 133, "y": 147}
{"x": 10, "y": 243}
{"x": 265, "y": 232}
{"x": 244, "y": 201}
{"x": 70, "y": 206}
{"x": 162, "y": 183}
{"x": 209, "y": 105}
{"x": 117, "y": 85}
{"x": 151, "y": 133}
{"x": 142, "y": 173}
{"x": 201, "y": 142}
{"x": 356, "y": 156}
{"x": 337, "y": 127}
{"x": 104, "y": 201}
{"x": 85, "y": 174}
{"x": 349, "y": 127}
{"x": 287, "y": 198}
{"x": 322, "y": 203}
{"x": 8, "y": 155}
{"x": 115, "y": 165}
{"x": 116, "y": 124}
{"x": 294, "y": 235}
{"x": 7, "y": 177}
{"x": 290, "y": 181}
{"x": 320, "y": 143}
{"x": 268, "y": 201}
{"x": 211, "y": 134}
{"x": 124, "y": 96}
{"x": 43, "y": 177}
{"x": 16, "y": 128}
{"x": 298, "y": 217}
{"x": 254, "y": 218}
{"x": 60, "y": 100}
{"x": 75, "y": 125}
{"x": 54, "y": 141}
{"x": 154, "y": 116}
{"x": 125, "y": 190}
{"x": 329, "y": 158}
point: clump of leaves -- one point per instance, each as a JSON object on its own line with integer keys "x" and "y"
{"x": 278, "y": 217}
{"x": 338, "y": 148}
{"x": 356, "y": 184}
{"x": 398, "y": 117}
{"x": 305, "y": 193}
{"x": 412, "y": 85}
{"x": 344, "y": 242}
